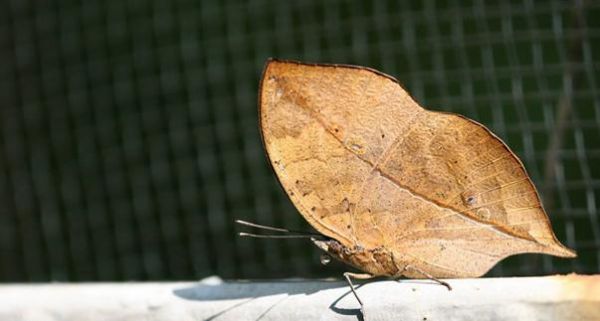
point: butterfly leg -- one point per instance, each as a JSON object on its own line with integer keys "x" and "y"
{"x": 428, "y": 276}
{"x": 358, "y": 276}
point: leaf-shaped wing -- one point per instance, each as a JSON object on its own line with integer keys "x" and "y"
{"x": 367, "y": 166}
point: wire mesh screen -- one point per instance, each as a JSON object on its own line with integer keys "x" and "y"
{"x": 129, "y": 139}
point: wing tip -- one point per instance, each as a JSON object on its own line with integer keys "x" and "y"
{"x": 272, "y": 61}
{"x": 561, "y": 251}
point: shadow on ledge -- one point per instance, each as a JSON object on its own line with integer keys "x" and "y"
{"x": 215, "y": 289}
{"x": 231, "y": 290}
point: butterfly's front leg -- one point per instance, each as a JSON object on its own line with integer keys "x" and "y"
{"x": 358, "y": 276}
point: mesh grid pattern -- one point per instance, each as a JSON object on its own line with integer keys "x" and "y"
{"x": 129, "y": 139}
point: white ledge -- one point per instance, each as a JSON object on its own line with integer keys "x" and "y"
{"x": 570, "y": 297}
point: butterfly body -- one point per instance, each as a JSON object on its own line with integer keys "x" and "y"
{"x": 376, "y": 261}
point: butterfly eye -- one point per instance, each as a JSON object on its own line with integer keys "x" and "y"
{"x": 325, "y": 259}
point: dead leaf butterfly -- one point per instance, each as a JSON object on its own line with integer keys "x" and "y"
{"x": 395, "y": 189}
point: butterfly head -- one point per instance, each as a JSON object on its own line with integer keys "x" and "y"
{"x": 333, "y": 248}
{"x": 376, "y": 261}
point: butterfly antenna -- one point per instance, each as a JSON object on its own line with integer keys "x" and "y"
{"x": 273, "y": 236}
{"x": 264, "y": 227}
{"x": 292, "y": 234}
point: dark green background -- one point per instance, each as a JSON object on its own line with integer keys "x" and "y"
{"x": 129, "y": 139}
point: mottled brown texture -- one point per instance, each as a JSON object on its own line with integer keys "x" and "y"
{"x": 394, "y": 184}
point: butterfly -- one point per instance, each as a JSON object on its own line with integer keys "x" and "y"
{"x": 394, "y": 189}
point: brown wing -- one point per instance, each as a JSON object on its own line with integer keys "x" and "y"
{"x": 366, "y": 165}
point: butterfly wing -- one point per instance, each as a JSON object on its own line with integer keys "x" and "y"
{"x": 366, "y": 165}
